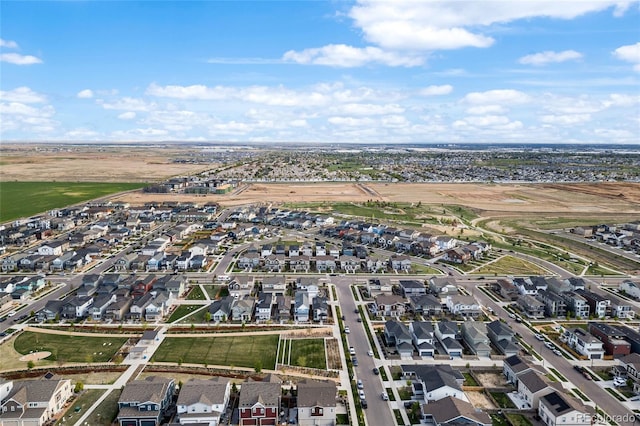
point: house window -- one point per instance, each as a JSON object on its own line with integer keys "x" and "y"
{"x": 316, "y": 411}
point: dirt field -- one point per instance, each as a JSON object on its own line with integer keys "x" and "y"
{"x": 494, "y": 200}
{"x": 491, "y": 380}
{"x": 91, "y": 164}
{"x": 480, "y": 400}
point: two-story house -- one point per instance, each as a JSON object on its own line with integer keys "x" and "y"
{"x": 34, "y": 402}
{"x": 203, "y": 401}
{"x": 259, "y": 402}
{"x": 144, "y": 402}
{"x": 317, "y": 402}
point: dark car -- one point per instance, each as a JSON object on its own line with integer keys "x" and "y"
{"x": 355, "y": 311}
{"x": 364, "y": 403}
{"x": 376, "y": 371}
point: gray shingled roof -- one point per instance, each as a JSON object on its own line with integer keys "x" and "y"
{"x": 449, "y": 409}
{"x": 316, "y": 393}
{"x": 533, "y": 381}
{"x": 267, "y": 392}
{"x": 151, "y": 389}
{"x": 435, "y": 376}
{"x": 208, "y": 392}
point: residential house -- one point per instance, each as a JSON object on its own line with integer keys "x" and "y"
{"x": 453, "y": 411}
{"x": 276, "y": 284}
{"x": 299, "y": 263}
{"x": 532, "y": 307}
{"x": 532, "y": 386}
{"x": 203, "y": 401}
{"x": 325, "y": 263}
{"x": 427, "y": 304}
{"x": 242, "y": 310}
{"x": 577, "y": 304}
{"x": 264, "y": 307}
{"x": 350, "y": 263}
{"x": 434, "y": 382}
{"x": 320, "y": 307}
{"x": 412, "y": 288}
{"x": 599, "y": 306}
{"x": 397, "y": 335}
{"x": 630, "y": 288}
{"x": 302, "y": 306}
{"x": 275, "y": 263}
{"x": 145, "y": 402}
{"x": 557, "y": 408}
{"x": 457, "y": 255}
{"x": 240, "y": 286}
{"x": 118, "y": 310}
{"x": 76, "y": 307}
{"x": 501, "y": 335}
{"x": 506, "y": 289}
{"x": 443, "y": 286}
{"x": 317, "y": 402}
{"x": 248, "y": 260}
{"x": 515, "y": 366}
{"x": 554, "y": 304}
{"x": 463, "y": 305}
{"x": 389, "y": 305}
{"x": 400, "y": 263}
{"x": 159, "y": 305}
{"x": 422, "y": 335}
{"x": 631, "y": 365}
{"x": 34, "y": 402}
{"x": 221, "y": 309}
{"x": 139, "y": 306}
{"x": 448, "y": 335}
{"x": 474, "y": 334}
{"x": 100, "y": 304}
{"x": 283, "y": 308}
{"x": 259, "y": 402}
{"x": 584, "y": 343}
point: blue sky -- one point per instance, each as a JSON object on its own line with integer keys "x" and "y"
{"x": 403, "y": 71}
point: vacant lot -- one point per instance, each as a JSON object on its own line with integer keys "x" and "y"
{"x": 509, "y": 265}
{"x": 23, "y": 199}
{"x": 246, "y": 351}
{"x": 69, "y": 348}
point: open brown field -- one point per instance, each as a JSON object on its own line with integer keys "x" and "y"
{"x": 71, "y": 163}
{"x": 493, "y": 200}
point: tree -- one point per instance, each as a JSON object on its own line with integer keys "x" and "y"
{"x": 30, "y": 364}
{"x": 258, "y": 366}
{"x": 207, "y": 316}
{"x": 79, "y": 387}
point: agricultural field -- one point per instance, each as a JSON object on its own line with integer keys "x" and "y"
{"x": 69, "y": 347}
{"x": 24, "y": 199}
{"x": 238, "y": 351}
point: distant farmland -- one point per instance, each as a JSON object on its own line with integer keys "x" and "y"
{"x": 24, "y": 199}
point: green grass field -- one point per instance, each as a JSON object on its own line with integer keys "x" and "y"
{"x": 68, "y": 348}
{"x": 509, "y": 265}
{"x": 24, "y": 199}
{"x": 237, "y": 351}
{"x": 182, "y": 311}
{"x": 308, "y": 353}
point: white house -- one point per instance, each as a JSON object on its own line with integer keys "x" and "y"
{"x": 317, "y": 402}
{"x": 34, "y": 402}
{"x": 532, "y": 386}
{"x": 630, "y": 288}
{"x": 203, "y": 401}
{"x": 584, "y": 343}
{"x": 560, "y": 409}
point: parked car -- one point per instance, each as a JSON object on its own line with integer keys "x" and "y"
{"x": 376, "y": 371}
{"x": 359, "y": 384}
{"x": 539, "y": 337}
{"x": 385, "y": 397}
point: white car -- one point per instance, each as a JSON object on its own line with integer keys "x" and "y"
{"x": 385, "y": 397}
{"x": 346, "y": 330}
{"x": 352, "y": 350}
{"x": 361, "y": 394}
{"x": 12, "y": 313}
{"x": 370, "y": 353}
{"x": 539, "y": 337}
{"x": 359, "y": 384}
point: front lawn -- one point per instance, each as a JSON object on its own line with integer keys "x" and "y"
{"x": 84, "y": 401}
{"x": 69, "y": 348}
{"x": 238, "y": 351}
{"x": 196, "y": 293}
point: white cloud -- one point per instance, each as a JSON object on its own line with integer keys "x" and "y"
{"x": 350, "y": 121}
{"x": 431, "y": 25}
{"x": 18, "y": 59}
{"x": 500, "y": 96}
{"x": 629, "y": 53}
{"x": 487, "y": 120}
{"x": 299, "y": 123}
{"x": 436, "y": 90}
{"x": 486, "y": 109}
{"x": 9, "y": 44}
{"x": 17, "y": 116}
{"x": 17, "y": 108}
{"x": 280, "y": 96}
{"x": 367, "y": 109}
{"x": 23, "y": 95}
{"x": 343, "y": 56}
{"x": 129, "y": 115}
{"x": 548, "y": 57}
{"x": 565, "y": 119}
{"x": 81, "y": 134}
{"x": 127, "y": 104}
{"x": 85, "y": 94}
{"x": 140, "y": 134}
